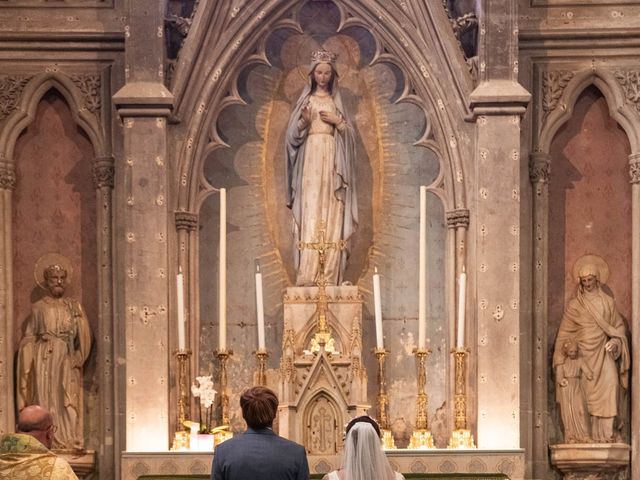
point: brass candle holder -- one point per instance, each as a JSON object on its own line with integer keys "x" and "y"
{"x": 223, "y": 356}
{"x": 383, "y": 401}
{"x": 183, "y": 387}
{"x": 261, "y": 374}
{"x": 422, "y": 437}
{"x": 461, "y": 437}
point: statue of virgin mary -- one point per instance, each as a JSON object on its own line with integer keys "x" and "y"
{"x": 321, "y": 189}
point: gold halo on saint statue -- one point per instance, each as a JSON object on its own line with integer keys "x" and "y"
{"x": 47, "y": 260}
{"x": 594, "y": 260}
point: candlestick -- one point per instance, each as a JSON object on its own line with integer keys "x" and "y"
{"x": 462, "y": 286}
{"x": 259, "y": 308}
{"x": 223, "y": 356}
{"x": 183, "y": 386}
{"x": 180, "y": 302}
{"x": 261, "y": 374}
{"x": 383, "y": 401}
{"x": 422, "y": 280}
{"x": 377, "y": 307}
{"x": 422, "y": 437}
{"x": 222, "y": 271}
{"x": 461, "y": 437}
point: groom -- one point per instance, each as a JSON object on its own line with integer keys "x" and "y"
{"x": 259, "y": 452}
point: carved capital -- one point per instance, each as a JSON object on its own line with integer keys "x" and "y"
{"x": 629, "y": 80}
{"x": 7, "y": 177}
{"x": 458, "y": 218}
{"x": 553, "y": 85}
{"x": 539, "y": 168}
{"x": 90, "y": 86}
{"x": 186, "y": 221}
{"x": 11, "y": 87}
{"x": 634, "y": 172}
{"x": 103, "y": 175}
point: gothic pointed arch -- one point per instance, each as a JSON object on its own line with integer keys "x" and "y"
{"x": 564, "y": 89}
{"x": 82, "y": 106}
{"x": 227, "y": 39}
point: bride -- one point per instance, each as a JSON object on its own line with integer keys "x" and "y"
{"x": 363, "y": 455}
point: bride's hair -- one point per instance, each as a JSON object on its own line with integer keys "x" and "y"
{"x": 363, "y": 455}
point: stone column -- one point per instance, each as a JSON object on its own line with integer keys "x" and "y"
{"x": 103, "y": 172}
{"x": 186, "y": 225}
{"x": 634, "y": 172}
{"x": 497, "y": 104}
{"x": 144, "y": 104}
{"x": 539, "y": 168}
{"x": 7, "y": 399}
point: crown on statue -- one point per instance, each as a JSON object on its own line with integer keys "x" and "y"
{"x": 323, "y": 56}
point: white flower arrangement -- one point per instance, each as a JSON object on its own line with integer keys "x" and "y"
{"x": 203, "y": 390}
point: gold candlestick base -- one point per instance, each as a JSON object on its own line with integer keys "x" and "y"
{"x": 223, "y": 356}
{"x": 461, "y": 439}
{"x": 183, "y": 387}
{"x": 388, "y": 443}
{"x": 421, "y": 440}
{"x": 261, "y": 373}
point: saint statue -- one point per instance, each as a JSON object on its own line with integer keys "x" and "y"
{"x": 321, "y": 189}
{"x": 592, "y": 320}
{"x": 54, "y": 348}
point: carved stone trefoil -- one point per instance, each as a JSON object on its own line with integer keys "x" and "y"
{"x": 90, "y": 86}
{"x": 11, "y": 87}
{"x": 629, "y": 80}
{"x": 553, "y": 85}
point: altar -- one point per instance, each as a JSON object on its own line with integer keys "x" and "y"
{"x": 509, "y": 463}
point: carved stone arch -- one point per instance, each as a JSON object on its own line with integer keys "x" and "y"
{"x": 205, "y": 84}
{"x": 626, "y": 116}
{"x": 24, "y": 115}
{"x": 304, "y": 336}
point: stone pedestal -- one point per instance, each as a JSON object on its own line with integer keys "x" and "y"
{"x": 322, "y": 384}
{"x": 82, "y": 463}
{"x": 590, "y": 461}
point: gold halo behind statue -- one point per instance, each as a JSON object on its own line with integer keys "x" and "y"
{"x": 595, "y": 260}
{"x": 47, "y": 260}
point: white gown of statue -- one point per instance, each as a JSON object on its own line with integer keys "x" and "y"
{"x": 320, "y": 209}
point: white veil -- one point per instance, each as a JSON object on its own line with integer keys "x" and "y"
{"x": 363, "y": 455}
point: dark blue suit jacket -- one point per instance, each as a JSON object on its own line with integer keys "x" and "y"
{"x": 259, "y": 455}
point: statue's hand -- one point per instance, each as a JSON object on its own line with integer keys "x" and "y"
{"x": 305, "y": 113}
{"x": 589, "y": 377}
{"x": 76, "y": 360}
{"x": 613, "y": 347}
{"x": 330, "y": 117}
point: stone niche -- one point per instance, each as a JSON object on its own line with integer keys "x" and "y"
{"x": 323, "y": 383}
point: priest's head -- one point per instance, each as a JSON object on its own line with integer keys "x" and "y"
{"x": 36, "y": 421}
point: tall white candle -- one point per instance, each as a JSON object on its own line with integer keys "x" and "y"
{"x": 422, "y": 280}
{"x": 259, "y": 308}
{"x": 222, "y": 271}
{"x": 377, "y": 307}
{"x": 462, "y": 287}
{"x": 180, "y": 302}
